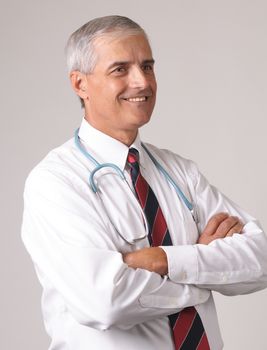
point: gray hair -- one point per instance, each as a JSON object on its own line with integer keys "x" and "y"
{"x": 80, "y": 49}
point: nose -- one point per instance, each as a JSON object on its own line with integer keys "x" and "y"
{"x": 138, "y": 78}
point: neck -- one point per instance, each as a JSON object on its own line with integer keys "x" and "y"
{"x": 126, "y": 137}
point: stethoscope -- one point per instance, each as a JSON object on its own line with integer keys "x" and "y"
{"x": 133, "y": 238}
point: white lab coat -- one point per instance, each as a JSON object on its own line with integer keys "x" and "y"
{"x": 91, "y": 299}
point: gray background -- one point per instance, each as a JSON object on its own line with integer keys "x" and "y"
{"x": 211, "y": 67}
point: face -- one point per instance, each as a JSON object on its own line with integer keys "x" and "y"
{"x": 120, "y": 93}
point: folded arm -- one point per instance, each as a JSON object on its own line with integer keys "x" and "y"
{"x": 155, "y": 259}
{"x": 77, "y": 253}
{"x": 222, "y": 259}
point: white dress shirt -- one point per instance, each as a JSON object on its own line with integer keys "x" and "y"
{"x": 91, "y": 299}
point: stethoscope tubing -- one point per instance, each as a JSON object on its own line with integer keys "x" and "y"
{"x": 99, "y": 166}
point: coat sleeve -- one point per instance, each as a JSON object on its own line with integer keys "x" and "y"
{"x": 70, "y": 245}
{"x": 232, "y": 265}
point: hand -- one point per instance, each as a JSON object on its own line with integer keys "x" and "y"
{"x": 219, "y": 226}
{"x": 153, "y": 259}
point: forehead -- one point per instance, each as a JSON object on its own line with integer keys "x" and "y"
{"x": 110, "y": 47}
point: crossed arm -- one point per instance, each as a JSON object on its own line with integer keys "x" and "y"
{"x": 154, "y": 259}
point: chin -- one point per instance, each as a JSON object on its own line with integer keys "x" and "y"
{"x": 142, "y": 120}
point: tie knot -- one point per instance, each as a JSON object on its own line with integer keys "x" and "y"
{"x": 133, "y": 156}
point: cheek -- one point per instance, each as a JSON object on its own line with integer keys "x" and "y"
{"x": 107, "y": 91}
{"x": 113, "y": 90}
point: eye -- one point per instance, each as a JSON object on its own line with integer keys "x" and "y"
{"x": 120, "y": 70}
{"x": 148, "y": 67}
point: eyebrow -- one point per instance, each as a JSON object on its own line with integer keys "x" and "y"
{"x": 123, "y": 63}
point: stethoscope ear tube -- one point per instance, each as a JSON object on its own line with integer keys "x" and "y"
{"x": 139, "y": 228}
{"x": 169, "y": 179}
{"x": 177, "y": 189}
{"x": 99, "y": 167}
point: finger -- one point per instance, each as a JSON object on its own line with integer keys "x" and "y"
{"x": 226, "y": 225}
{"x": 236, "y": 229}
{"x": 214, "y": 222}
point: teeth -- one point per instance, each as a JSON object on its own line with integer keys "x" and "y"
{"x": 136, "y": 99}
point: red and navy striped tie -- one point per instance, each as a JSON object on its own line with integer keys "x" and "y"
{"x": 188, "y": 330}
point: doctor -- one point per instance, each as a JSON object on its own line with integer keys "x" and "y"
{"x": 99, "y": 290}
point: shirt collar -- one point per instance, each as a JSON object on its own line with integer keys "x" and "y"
{"x": 106, "y": 149}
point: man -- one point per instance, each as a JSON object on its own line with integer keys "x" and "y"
{"x": 107, "y": 282}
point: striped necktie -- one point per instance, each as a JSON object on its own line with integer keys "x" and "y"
{"x": 188, "y": 330}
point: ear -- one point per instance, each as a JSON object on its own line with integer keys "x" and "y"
{"x": 79, "y": 84}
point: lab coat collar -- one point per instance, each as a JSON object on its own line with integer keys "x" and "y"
{"x": 106, "y": 149}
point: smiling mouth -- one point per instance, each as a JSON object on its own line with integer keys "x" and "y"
{"x": 136, "y": 99}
